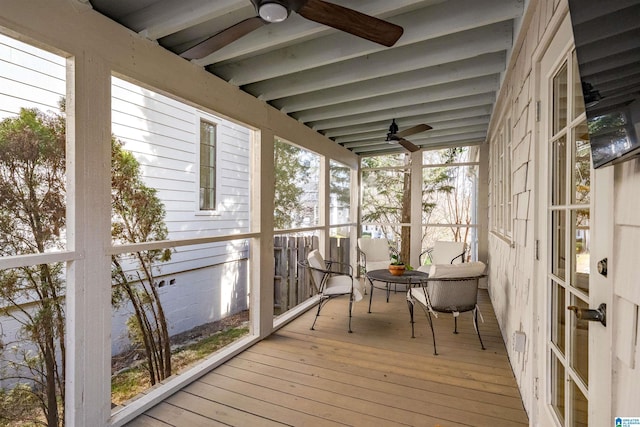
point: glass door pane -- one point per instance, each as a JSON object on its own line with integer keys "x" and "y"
{"x": 582, "y": 165}
{"x": 580, "y": 342}
{"x": 580, "y": 412}
{"x": 578, "y": 99}
{"x": 560, "y": 99}
{"x": 559, "y": 249}
{"x": 557, "y": 387}
{"x": 559, "y": 310}
{"x": 559, "y": 178}
{"x": 581, "y": 255}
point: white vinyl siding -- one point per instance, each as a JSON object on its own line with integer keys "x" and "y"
{"x": 29, "y": 78}
{"x": 164, "y": 136}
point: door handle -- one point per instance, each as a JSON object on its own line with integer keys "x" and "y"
{"x": 598, "y": 315}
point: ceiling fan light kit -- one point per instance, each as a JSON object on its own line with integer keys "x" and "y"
{"x": 273, "y": 11}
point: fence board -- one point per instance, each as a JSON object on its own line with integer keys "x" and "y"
{"x": 292, "y": 284}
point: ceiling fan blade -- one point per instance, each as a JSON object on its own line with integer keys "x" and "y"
{"x": 223, "y": 38}
{"x": 410, "y": 146}
{"x": 413, "y": 130}
{"x": 351, "y": 21}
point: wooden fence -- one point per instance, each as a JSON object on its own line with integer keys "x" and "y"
{"x": 291, "y": 284}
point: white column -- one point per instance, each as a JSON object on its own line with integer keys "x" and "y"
{"x": 355, "y": 211}
{"x": 482, "y": 204}
{"x": 262, "y": 205}
{"x": 88, "y": 323}
{"x": 324, "y": 202}
{"x": 416, "y": 207}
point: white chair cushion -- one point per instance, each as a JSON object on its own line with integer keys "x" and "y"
{"x": 342, "y": 285}
{"x": 424, "y": 268}
{"x": 443, "y": 252}
{"x": 377, "y": 265}
{"x": 315, "y": 259}
{"x": 335, "y": 284}
{"x": 374, "y": 249}
{"x": 338, "y": 285}
{"x": 450, "y": 271}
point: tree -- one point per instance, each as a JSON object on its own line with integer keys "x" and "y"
{"x": 290, "y": 178}
{"x": 138, "y": 216}
{"x": 32, "y": 217}
{"x": 387, "y": 194}
{"x": 340, "y": 183}
{"x": 32, "y": 220}
{"x": 383, "y": 190}
{"x": 458, "y": 192}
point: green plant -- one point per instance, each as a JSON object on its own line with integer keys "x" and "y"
{"x": 397, "y": 260}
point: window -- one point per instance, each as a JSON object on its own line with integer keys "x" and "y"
{"x": 507, "y": 181}
{"x": 501, "y": 186}
{"x": 207, "y": 166}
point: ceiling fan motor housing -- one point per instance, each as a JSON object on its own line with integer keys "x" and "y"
{"x": 393, "y": 129}
{"x": 280, "y": 9}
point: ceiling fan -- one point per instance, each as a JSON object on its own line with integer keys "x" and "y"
{"x": 332, "y": 15}
{"x": 394, "y": 136}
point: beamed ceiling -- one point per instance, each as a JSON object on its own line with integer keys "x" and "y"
{"x": 444, "y": 71}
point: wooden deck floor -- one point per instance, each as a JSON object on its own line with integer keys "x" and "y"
{"x": 376, "y": 376}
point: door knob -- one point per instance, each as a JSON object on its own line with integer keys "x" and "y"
{"x": 598, "y": 315}
{"x": 602, "y": 267}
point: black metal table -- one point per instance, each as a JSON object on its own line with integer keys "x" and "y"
{"x": 409, "y": 278}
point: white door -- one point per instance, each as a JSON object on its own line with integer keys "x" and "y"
{"x": 574, "y": 368}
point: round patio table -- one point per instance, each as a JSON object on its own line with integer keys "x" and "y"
{"x": 409, "y": 278}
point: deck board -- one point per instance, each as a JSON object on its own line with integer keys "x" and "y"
{"x": 377, "y": 375}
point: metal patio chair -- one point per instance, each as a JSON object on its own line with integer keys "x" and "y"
{"x": 375, "y": 254}
{"x": 449, "y": 289}
{"x": 331, "y": 283}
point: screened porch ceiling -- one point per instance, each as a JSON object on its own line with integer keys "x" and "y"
{"x": 444, "y": 71}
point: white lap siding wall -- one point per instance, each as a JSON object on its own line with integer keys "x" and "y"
{"x": 511, "y": 257}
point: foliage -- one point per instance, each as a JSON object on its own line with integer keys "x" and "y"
{"x": 32, "y": 220}
{"x": 396, "y": 259}
{"x": 291, "y": 176}
{"x": 19, "y": 403}
{"x": 339, "y": 183}
{"x": 582, "y": 171}
{"x": 615, "y": 120}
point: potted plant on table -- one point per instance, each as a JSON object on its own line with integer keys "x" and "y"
{"x": 397, "y": 266}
